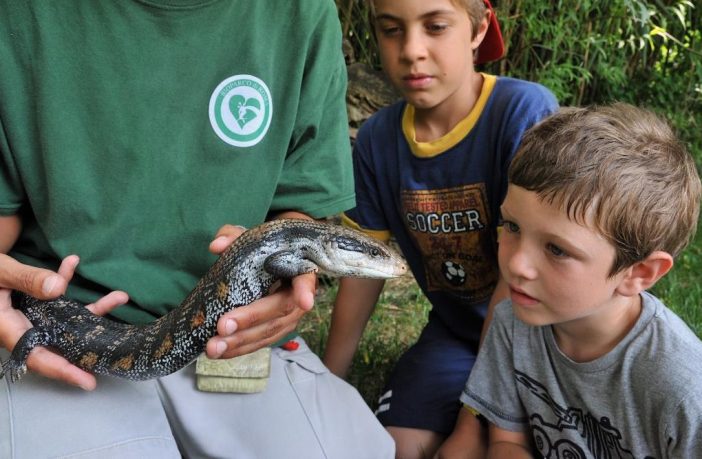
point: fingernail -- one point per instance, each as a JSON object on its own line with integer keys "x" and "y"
{"x": 308, "y": 302}
{"x": 230, "y": 326}
{"x": 49, "y": 283}
{"x": 221, "y": 347}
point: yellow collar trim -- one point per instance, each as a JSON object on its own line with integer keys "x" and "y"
{"x": 455, "y": 135}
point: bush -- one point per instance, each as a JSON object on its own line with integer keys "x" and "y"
{"x": 646, "y": 53}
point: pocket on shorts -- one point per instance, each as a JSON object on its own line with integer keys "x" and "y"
{"x": 304, "y": 358}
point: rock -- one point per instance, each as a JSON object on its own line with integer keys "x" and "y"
{"x": 368, "y": 91}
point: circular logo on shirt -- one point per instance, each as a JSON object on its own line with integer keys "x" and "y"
{"x": 240, "y": 110}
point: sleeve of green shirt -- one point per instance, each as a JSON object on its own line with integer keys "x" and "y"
{"x": 317, "y": 176}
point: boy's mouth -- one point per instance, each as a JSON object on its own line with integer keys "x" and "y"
{"x": 417, "y": 80}
{"x": 520, "y": 297}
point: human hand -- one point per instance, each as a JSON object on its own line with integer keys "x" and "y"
{"x": 467, "y": 441}
{"x": 265, "y": 321}
{"x": 44, "y": 284}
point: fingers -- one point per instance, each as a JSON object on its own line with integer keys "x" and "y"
{"x": 304, "y": 291}
{"x": 108, "y": 302}
{"x": 247, "y": 340}
{"x": 264, "y": 321}
{"x": 68, "y": 267}
{"x": 13, "y": 324}
{"x": 37, "y": 282}
{"x": 53, "y": 366}
{"x": 224, "y": 238}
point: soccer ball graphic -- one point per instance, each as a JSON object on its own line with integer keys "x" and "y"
{"x": 453, "y": 272}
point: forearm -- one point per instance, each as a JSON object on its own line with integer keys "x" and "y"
{"x": 506, "y": 443}
{"x": 10, "y": 227}
{"x": 355, "y": 302}
{"x": 468, "y": 439}
{"x": 290, "y": 214}
{"x": 500, "y": 450}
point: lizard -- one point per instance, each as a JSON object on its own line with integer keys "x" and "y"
{"x": 275, "y": 250}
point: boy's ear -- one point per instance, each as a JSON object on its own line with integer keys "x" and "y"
{"x": 479, "y": 34}
{"x": 643, "y": 274}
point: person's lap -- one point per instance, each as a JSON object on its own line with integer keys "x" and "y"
{"x": 304, "y": 412}
{"x": 120, "y": 419}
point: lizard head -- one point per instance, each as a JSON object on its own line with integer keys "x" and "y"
{"x": 350, "y": 253}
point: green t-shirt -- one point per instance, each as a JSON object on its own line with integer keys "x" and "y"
{"x": 130, "y": 131}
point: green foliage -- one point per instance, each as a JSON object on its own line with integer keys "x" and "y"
{"x": 646, "y": 53}
{"x": 593, "y": 51}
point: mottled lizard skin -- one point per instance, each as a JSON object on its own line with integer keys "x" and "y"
{"x": 244, "y": 273}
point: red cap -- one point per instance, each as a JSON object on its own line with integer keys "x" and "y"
{"x": 492, "y": 47}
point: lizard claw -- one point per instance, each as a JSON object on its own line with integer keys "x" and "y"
{"x": 13, "y": 369}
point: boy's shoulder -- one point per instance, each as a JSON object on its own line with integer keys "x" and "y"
{"x": 669, "y": 341}
{"x": 381, "y": 124}
{"x": 514, "y": 89}
{"x": 391, "y": 114}
{"x": 670, "y": 323}
{"x": 665, "y": 363}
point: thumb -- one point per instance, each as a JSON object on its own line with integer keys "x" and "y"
{"x": 37, "y": 282}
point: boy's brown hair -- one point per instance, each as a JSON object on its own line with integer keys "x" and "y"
{"x": 492, "y": 47}
{"x": 619, "y": 168}
{"x": 476, "y": 10}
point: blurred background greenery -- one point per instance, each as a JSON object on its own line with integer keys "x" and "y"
{"x": 648, "y": 53}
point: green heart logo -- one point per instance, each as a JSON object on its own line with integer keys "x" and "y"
{"x": 240, "y": 110}
{"x": 244, "y": 110}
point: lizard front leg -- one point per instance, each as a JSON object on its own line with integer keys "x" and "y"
{"x": 288, "y": 264}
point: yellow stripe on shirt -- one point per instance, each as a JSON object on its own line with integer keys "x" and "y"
{"x": 455, "y": 135}
{"x": 382, "y": 235}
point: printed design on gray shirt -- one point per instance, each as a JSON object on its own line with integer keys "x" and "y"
{"x": 599, "y": 436}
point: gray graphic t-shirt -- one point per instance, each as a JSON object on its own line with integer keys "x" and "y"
{"x": 643, "y": 399}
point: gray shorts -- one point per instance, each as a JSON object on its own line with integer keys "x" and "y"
{"x": 305, "y": 412}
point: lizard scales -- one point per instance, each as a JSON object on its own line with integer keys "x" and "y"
{"x": 279, "y": 249}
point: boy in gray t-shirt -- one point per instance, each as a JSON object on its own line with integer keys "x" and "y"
{"x": 581, "y": 362}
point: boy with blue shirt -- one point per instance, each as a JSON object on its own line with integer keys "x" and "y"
{"x": 431, "y": 171}
{"x": 581, "y": 360}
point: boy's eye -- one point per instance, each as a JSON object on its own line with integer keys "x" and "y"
{"x": 390, "y": 31}
{"x": 556, "y": 251}
{"x": 436, "y": 27}
{"x": 510, "y": 227}
{"x": 388, "y": 28}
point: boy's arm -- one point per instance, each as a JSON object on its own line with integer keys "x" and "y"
{"x": 353, "y": 307}
{"x": 468, "y": 439}
{"x": 504, "y": 443}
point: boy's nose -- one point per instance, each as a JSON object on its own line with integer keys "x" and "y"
{"x": 520, "y": 262}
{"x": 413, "y": 47}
